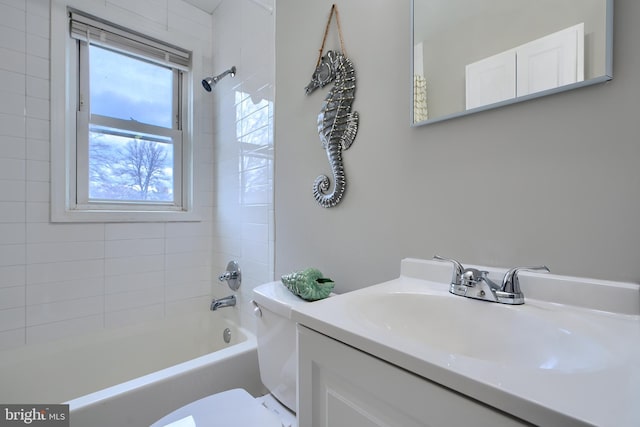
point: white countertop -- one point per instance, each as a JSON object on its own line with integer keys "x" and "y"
{"x": 606, "y": 394}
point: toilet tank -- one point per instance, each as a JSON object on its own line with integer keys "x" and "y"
{"x": 276, "y": 333}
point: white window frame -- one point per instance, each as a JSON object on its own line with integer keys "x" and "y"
{"x": 68, "y": 194}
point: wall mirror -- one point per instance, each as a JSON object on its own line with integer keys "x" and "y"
{"x": 473, "y": 55}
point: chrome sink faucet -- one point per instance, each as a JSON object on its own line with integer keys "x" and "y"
{"x": 474, "y": 283}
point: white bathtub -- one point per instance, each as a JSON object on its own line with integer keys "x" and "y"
{"x": 135, "y": 375}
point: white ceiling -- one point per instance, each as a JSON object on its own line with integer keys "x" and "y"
{"x": 206, "y": 5}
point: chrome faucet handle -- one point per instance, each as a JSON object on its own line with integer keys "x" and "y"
{"x": 458, "y": 269}
{"x": 510, "y": 282}
{"x": 228, "y": 275}
{"x": 233, "y": 276}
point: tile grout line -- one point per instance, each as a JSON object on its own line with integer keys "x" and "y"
{"x": 26, "y": 175}
{"x": 164, "y": 270}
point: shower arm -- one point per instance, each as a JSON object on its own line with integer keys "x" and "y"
{"x": 231, "y": 71}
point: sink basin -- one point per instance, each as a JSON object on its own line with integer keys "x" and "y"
{"x": 525, "y": 336}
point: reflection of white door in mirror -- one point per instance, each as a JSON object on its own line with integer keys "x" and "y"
{"x": 491, "y": 80}
{"x": 552, "y": 61}
{"x": 545, "y": 63}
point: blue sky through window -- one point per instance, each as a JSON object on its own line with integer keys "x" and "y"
{"x": 127, "y": 88}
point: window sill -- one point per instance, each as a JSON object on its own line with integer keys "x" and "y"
{"x": 69, "y": 215}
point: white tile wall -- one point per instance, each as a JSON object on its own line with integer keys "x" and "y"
{"x": 12, "y": 172}
{"x": 63, "y": 279}
{"x": 243, "y": 129}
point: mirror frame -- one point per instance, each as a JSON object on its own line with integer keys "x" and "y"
{"x": 608, "y": 75}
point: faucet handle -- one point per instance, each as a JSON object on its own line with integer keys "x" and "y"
{"x": 510, "y": 282}
{"x": 458, "y": 269}
{"x": 233, "y": 276}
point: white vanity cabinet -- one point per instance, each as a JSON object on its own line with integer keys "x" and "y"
{"x": 339, "y": 385}
{"x": 407, "y": 352}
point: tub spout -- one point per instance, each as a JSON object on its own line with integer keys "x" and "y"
{"x": 229, "y": 301}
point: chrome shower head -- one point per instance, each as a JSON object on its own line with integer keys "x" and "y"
{"x": 210, "y": 82}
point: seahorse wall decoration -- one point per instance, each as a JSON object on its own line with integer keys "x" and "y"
{"x": 337, "y": 125}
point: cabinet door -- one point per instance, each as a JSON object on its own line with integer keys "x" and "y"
{"x": 491, "y": 80}
{"x": 341, "y": 386}
{"x": 551, "y": 61}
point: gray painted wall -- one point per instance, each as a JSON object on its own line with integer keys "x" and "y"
{"x": 553, "y": 180}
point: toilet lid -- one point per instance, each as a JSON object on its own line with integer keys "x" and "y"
{"x": 233, "y": 408}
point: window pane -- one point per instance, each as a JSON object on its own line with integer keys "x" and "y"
{"x": 130, "y": 89}
{"x": 129, "y": 169}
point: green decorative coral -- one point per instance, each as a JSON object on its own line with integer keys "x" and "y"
{"x": 308, "y": 284}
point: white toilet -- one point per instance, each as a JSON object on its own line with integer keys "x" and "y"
{"x": 277, "y": 357}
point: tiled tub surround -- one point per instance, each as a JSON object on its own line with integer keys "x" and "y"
{"x": 133, "y": 375}
{"x": 60, "y": 280}
{"x": 63, "y": 282}
{"x": 243, "y": 35}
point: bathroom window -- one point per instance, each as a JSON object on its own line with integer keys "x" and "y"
{"x": 128, "y": 158}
